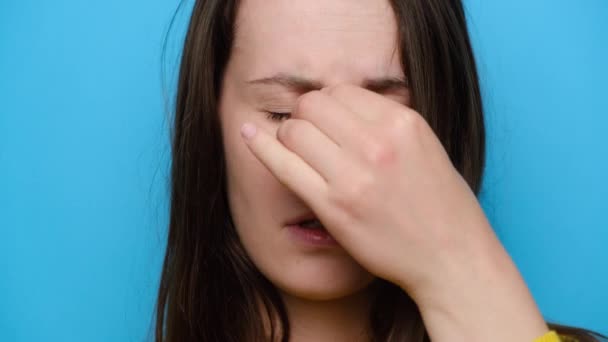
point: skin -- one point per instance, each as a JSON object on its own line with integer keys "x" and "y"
{"x": 370, "y": 169}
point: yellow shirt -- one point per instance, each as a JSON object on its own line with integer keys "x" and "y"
{"x": 551, "y": 336}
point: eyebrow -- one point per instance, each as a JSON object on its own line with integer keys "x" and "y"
{"x": 303, "y": 85}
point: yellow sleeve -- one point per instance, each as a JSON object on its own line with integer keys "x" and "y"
{"x": 551, "y": 336}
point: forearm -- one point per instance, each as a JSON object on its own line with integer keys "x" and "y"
{"x": 484, "y": 300}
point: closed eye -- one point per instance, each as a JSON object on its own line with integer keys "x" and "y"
{"x": 277, "y": 116}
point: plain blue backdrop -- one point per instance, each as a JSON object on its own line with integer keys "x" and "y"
{"x": 84, "y": 156}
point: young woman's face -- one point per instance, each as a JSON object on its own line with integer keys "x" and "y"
{"x": 329, "y": 42}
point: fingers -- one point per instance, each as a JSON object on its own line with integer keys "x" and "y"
{"x": 291, "y": 170}
{"x": 367, "y": 104}
{"x": 314, "y": 147}
{"x": 344, "y": 127}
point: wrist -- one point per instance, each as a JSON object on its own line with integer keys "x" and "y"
{"x": 482, "y": 299}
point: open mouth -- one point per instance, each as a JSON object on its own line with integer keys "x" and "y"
{"x": 311, "y": 224}
{"x": 312, "y": 233}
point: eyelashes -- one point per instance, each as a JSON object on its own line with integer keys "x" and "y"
{"x": 275, "y": 116}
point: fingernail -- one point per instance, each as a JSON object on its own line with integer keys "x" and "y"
{"x": 248, "y": 130}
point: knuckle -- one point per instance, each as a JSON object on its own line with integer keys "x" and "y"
{"x": 350, "y": 196}
{"x": 415, "y": 122}
{"x": 399, "y": 122}
{"x": 403, "y": 124}
{"x": 380, "y": 152}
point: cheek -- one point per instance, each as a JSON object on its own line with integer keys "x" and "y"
{"x": 254, "y": 193}
{"x": 244, "y": 170}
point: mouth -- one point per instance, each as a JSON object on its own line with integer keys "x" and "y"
{"x": 307, "y": 221}
{"x": 311, "y": 224}
{"x": 311, "y": 232}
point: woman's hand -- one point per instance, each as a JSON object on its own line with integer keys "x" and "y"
{"x": 379, "y": 180}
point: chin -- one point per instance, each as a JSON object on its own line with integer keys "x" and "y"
{"x": 320, "y": 284}
{"x": 319, "y": 293}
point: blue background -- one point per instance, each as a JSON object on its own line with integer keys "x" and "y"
{"x": 84, "y": 156}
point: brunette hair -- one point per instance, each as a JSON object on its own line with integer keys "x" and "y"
{"x": 209, "y": 288}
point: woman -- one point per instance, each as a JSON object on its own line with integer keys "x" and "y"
{"x": 326, "y": 161}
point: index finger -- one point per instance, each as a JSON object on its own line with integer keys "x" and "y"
{"x": 291, "y": 170}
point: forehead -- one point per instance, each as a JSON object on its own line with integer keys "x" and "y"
{"x": 332, "y": 41}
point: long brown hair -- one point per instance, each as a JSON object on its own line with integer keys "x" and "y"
{"x": 209, "y": 289}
